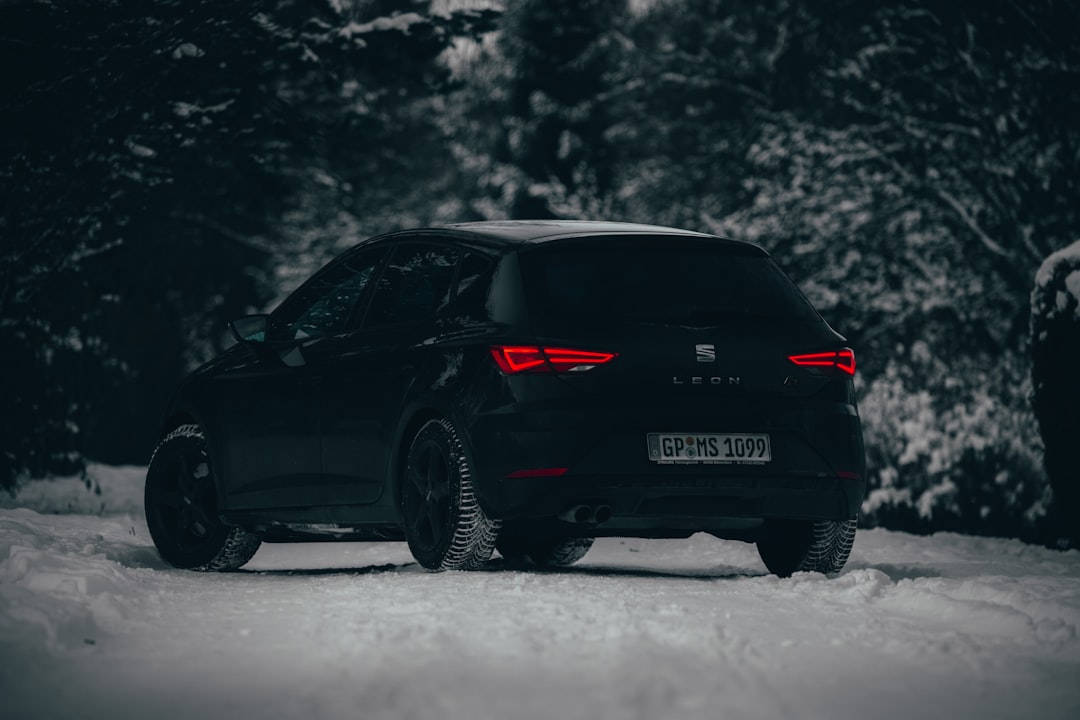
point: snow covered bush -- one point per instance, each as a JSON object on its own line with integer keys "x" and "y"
{"x": 962, "y": 457}
{"x": 1055, "y": 348}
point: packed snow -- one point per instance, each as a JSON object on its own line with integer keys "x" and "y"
{"x": 94, "y": 625}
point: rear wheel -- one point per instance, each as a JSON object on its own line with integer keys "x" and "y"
{"x": 791, "y": 546}
{"x": 444, "y": 523}
{"x": 545, "y": 552}
{"x": 181, "y": 507}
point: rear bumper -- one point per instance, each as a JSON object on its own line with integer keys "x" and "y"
{"x": 651, "y": 500}
{"x": 817, "y": 471}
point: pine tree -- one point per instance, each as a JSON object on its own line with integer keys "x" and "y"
{"x": 151, "y": 157}
{"x": 534, "y": 137}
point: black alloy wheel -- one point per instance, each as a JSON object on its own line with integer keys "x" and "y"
{"x": 181, "y": 507}
{"x": 444, "y": 524}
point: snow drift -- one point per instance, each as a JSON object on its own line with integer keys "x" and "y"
{"x": 93, "y": 624}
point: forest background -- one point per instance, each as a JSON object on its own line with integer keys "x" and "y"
{"x": 169, "y": 165}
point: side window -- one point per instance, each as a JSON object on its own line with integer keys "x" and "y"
{"x": 326, "y": 305}
{"x": 414, "y": 286}
{"x": 474, "y": 285}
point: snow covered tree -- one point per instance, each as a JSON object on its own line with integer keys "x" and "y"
{"x": 536, "y": 118}
{"x": 135, "y": 194}
{"x": 374, "y": 87}
{"x": 697, "y": 80}
{"x": 910, "y": 164}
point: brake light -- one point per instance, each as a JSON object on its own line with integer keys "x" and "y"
{"x": 839, "y": 360}
{"x": 538, "y": 472}
{"x": 514, "y": 359}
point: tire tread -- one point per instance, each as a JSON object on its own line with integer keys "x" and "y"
{"x": 804, "y": 546}
{"x": 474, "y": 534}
{"x": 831, "y": 546}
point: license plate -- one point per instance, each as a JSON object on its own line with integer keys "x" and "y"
{"x": 710, "y": 448}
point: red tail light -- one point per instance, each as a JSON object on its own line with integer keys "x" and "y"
{"x": 514, "y": 359}
{"x": 839, "y": 360}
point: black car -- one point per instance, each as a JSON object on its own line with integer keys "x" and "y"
{"x": 524, "y": 386}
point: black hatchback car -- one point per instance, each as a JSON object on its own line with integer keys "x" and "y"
{"x": 524, "y": 386}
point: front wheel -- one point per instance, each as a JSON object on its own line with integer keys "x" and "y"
{"x": 444, "y": 524}
{"x": 791, "y": 546}
{"x": 181, "y": 507}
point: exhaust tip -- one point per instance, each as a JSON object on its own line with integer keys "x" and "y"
{"x": 587, "y": 514}
{"x": 580, "y": 514}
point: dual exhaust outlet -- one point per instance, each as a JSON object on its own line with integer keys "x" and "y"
{"x": 587, "y": 514}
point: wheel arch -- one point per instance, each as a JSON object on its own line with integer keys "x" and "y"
{"x": 412, "y": 420}
{"x": 187, "y": 415}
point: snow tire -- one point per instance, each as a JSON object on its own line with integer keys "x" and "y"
{"x": 789, "y": 547}
{"x": 560, "y": 552}
{"x": 444, "y": 524}
{"x": 180, "y": 500}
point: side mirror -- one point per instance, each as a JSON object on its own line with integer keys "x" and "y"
{"x": 250, "y": 328}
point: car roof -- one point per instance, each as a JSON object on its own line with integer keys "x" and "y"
{"x": 510, "y": 234}
{"x": 528, "y": 231}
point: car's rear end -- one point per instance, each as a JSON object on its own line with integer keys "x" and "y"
{"x": 657, "y": 385}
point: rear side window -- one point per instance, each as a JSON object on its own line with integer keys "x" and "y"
{"x": 414, "y": 286}
{"x": 671, "y": 281}
{"x": 474, "y": 285}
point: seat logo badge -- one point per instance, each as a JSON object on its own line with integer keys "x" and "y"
{"x": 706, "y": 353}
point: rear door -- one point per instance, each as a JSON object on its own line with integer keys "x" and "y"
{"x": 368, "y": 373}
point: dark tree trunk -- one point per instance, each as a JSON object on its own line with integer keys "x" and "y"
{"x": 1055, "y": 355}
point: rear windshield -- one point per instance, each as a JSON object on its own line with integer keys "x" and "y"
{"x": 671, "y": 281}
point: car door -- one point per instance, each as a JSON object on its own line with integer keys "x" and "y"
{"x": 271, "y": 407}
{"x": 367, "y": 377}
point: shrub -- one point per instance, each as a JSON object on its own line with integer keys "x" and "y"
{"x": 962, "y": 456}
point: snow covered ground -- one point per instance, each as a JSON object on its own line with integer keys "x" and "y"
{"x": 94, "y": 625}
